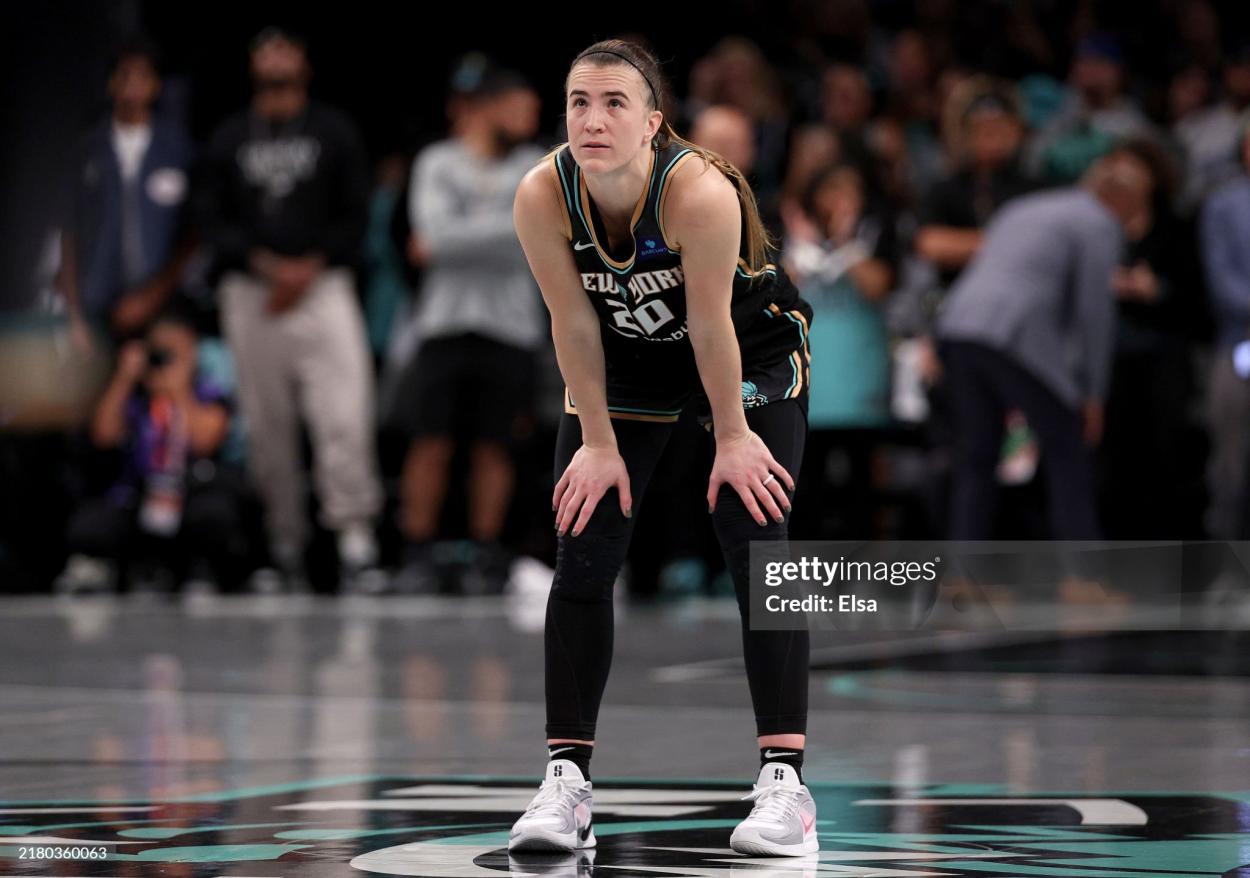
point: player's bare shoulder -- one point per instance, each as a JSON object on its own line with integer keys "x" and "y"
{"x": 698, "y": 196}
{"x": 701, "y": 183}
{"x": 538, "y": 198}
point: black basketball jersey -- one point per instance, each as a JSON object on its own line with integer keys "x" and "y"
{"x": 640, "y": 294}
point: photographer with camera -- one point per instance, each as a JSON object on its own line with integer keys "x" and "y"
{"x": 168, "y": 514}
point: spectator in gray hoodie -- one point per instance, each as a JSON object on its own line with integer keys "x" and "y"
{"x": 478, "y": 314}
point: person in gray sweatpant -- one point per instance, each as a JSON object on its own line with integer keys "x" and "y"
{"x": 284, "y": 207}
{"x": 310, "y": 361}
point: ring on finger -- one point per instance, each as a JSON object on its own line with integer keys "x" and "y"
{"x": 767, "y": 480}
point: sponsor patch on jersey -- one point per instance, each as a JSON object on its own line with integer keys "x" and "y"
{"x": 649, "y": 247}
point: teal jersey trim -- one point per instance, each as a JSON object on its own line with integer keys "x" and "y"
{"x": 564, "y": 184}
{"x": 663, "y": 178}
{"x": 794, "y": 370}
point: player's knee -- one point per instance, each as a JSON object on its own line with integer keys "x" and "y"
{"x": 587, "y": 564}
{"x": 736, "y": 526}
{"x": 736, "y": 529}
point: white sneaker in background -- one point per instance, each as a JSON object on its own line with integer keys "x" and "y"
{"x": 359, "y": 573}
{"x": 358, "y": 548}
{"x": 84, "y": 573}
{"x": 283, "y": 576}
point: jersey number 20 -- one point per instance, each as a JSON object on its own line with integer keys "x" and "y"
{"x": 646, "y": 319}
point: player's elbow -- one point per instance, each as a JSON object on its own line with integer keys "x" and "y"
{"x": 709, "y": 326}
{"x": 570, "y": 327}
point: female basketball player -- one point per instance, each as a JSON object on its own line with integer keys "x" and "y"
{"x": 651, "y": 258}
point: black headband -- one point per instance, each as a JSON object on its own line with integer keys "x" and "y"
{"x": 654, "y": 97}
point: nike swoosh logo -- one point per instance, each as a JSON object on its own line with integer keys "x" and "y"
{"x": 561, "y": 750}
{"x": 807, "y": 823}
{"x": 769, "y": 754}
{"x": 582, "y": 246}
{"x": 583, "y": 834}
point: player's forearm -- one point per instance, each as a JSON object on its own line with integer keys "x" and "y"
{"x": 579, "y": 351}
{"x": 455, "y": 241}
{"x": 108, "y": 424}
{"x": 719, "y": 362}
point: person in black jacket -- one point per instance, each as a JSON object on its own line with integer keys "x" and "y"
{"x": 1160, "y": 313}
{"x": 284, "y": 206}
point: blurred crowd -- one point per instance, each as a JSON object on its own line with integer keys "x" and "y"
{"x": 1028, "y": 270}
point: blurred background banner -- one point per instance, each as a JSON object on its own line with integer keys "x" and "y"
{"x": 1020, "y": 226}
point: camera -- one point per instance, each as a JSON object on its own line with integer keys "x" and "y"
{"x": 158, "y": 358}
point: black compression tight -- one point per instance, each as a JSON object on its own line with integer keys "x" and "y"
{"x": 579, "y": 609}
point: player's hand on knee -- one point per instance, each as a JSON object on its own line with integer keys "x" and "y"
{"x": 746, "y": 465}
{"x": 590, "y": 474}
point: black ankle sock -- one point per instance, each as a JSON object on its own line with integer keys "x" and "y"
{"x": 578, "y": 754}
{"x": 791, "y": 756}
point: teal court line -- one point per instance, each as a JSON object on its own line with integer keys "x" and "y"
{"x": 218, "y": 796}
{"x": 30, "y": 829}
{"x": 934, "y": 790}
{"x": 349, "y": 834}
{"x": 867, "y": 686}
{"x": 158, "y": 833}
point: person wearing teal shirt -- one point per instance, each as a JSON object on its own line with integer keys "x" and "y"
{"x": 840, "y": 250}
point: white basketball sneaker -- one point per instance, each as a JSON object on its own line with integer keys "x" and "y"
{"x": 783, "y": 821}
{"x": 558, "y": 817}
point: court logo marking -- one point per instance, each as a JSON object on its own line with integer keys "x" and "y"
{"x": 447, "y": 828}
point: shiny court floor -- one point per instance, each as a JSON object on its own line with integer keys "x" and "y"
{"x": 324, "y": 736}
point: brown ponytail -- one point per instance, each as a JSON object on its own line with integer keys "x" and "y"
{"x": 623, "y": 53}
